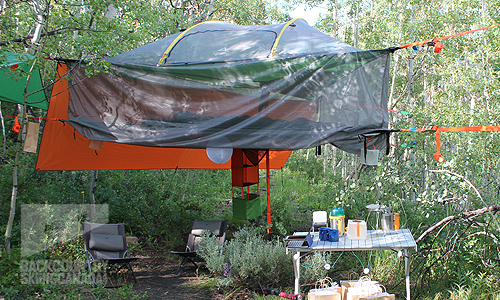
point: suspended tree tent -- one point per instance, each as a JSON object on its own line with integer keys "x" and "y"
{"x": 13, "y": 71}
{"x": 218, "y": 85}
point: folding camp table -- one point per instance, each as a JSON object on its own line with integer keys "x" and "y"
{"x": 400, "y": 239}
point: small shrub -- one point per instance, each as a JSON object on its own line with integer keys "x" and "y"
{"x": 248, "y": 260}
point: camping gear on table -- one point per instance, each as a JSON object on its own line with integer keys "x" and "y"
{"x": 337, "y": 220}
{"x": 328, "y": 234}
{"x": 387, "y": 222}
{"x": 323, "y": 233}
{"x": 356, "y": 229}
{"x": 320, "y": 218}
{"x": 300, "y": 241}
{"x": 390, "y": 221}
{"x": 333, "y": 235}
{"x": 396, "y": 221}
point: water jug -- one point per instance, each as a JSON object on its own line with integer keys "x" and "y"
{"x": 356, "y": 230}
{"x": 337, "y": 220}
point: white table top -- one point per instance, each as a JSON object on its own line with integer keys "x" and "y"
{"x": 375, "y": 240}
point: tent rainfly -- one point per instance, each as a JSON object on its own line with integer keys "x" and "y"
{"x": 218, "y": 85}
{"x": 13, "y": 71}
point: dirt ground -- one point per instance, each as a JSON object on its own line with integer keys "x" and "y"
{"x": 155, "y": 275}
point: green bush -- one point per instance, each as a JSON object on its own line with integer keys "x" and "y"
{"x": 248, "y": 260}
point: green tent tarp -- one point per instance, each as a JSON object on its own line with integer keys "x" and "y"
{"x": 14, "y": 69}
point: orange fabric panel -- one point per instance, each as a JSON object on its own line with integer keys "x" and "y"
{"x": 63, "y": 148}
{"x": 243, "y": 172}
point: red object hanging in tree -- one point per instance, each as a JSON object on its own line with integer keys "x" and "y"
{"x": 17, "y": 126}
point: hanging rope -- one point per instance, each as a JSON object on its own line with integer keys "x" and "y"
{"x": 35, "y": 118}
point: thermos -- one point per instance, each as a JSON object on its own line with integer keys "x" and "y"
{"x": 337, "y": 220}
{"x": 390, "y": 221}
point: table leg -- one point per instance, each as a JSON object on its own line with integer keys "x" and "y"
{"x": 407, "y": 273}
{"x": 296, "y": 269}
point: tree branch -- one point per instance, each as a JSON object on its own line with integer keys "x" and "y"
{"x": 491, "y": 235}
{"x": 43, "y": 34}
{"x": 473, "y": 187}
{"x": 464, "y": 215}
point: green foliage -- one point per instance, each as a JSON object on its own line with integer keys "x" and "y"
{"x": 457, "y": 87}
{"x": 248, "y": 260}
{"x": 152, "y": 201}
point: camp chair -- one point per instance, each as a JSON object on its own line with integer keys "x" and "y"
{"x": 218, "y": 228}
{"x": 106, "y": 244}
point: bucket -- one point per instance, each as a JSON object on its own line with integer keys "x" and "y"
{"x": 371, "y": 158}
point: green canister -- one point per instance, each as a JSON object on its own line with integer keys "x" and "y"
{"x": 337, "y": 220}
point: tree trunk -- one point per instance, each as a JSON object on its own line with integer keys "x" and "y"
{"x": 356, "y": 27}
{"x": 19, "y": 142}
{"x": 34, "y": 42}
{"x": 3, "y": 132}
{"x": 210, "y": 9}
{"x": 92, "y": 194}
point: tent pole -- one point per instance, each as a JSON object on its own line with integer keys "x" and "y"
{"x": 268, "y": 178}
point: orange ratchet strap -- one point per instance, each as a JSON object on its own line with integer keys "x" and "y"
{"x": 426, "y": 128}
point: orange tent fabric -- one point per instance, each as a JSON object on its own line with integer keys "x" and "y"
{"x": 63, "y": 148}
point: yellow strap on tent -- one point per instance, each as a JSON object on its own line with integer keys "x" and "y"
{"x": 275, "y": 45}
{"x": 169, "y": 48}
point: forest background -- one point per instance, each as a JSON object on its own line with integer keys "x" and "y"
{"x": 458, "y": 252}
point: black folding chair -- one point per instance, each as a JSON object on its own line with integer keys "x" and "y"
{"x": 106, "y": 244}
{"x": 218, "y": 228}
